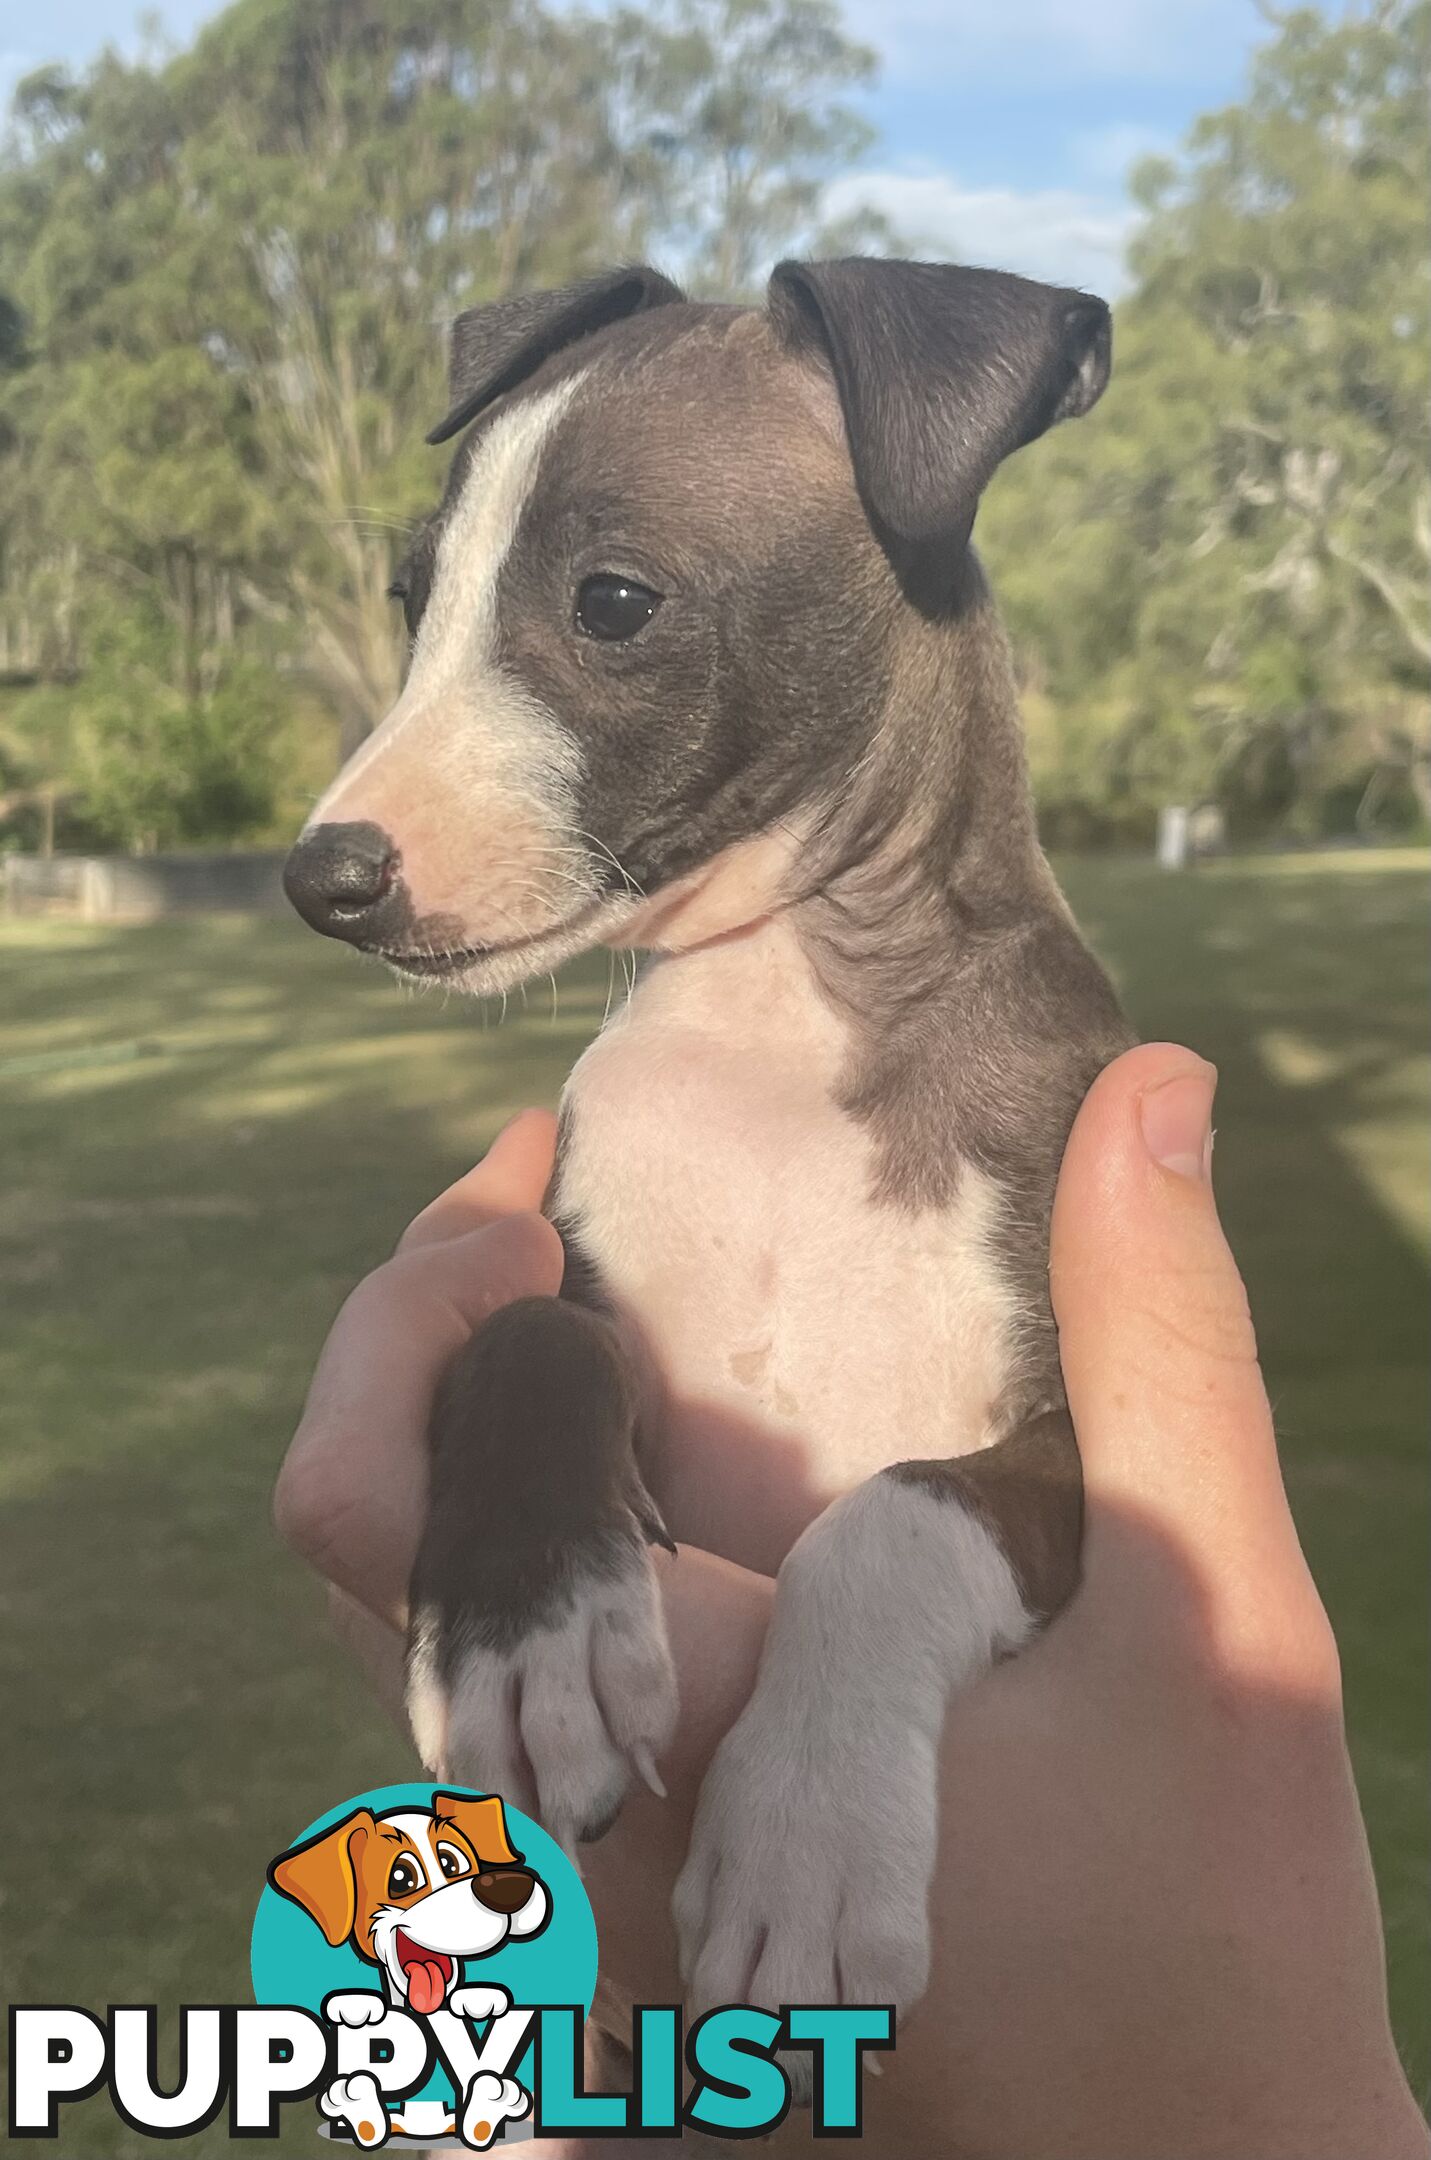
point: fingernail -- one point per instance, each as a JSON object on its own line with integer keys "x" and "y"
{"x": 1177, "y": 1123}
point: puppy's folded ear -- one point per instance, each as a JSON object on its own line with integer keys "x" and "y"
{"x": 941, "y": 372}
{"x": 322, "y": 1876}
{"x": 482, "y": 1822}
{"x": 497, "y": 346}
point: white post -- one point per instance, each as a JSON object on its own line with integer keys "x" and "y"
{"x": 96, "y": 890}
{"x": 1173, "y": 837}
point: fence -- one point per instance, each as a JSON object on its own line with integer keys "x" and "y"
{"x": 138, "y": 888}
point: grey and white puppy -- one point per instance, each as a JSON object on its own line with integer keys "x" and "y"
{"x": 703, "y": 663}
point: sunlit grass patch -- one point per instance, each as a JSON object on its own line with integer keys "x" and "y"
{"x": 178, "y": 1227}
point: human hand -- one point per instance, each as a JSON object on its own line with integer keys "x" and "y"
{"x": 353, "y": 1488}
{"x": 1155, "y": 1929}
{"x": 1156, "y": 1926}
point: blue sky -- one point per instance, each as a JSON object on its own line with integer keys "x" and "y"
{"x": 1007, "y": 126}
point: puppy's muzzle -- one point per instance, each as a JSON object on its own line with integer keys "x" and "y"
{"x": 343, "y": 880}
{"x": 503, "y": 1890}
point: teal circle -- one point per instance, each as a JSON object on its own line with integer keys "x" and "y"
{"x": 292, "y": 1961}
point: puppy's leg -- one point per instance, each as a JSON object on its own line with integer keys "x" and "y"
{"x": 814, "y": 1838}
{"x": 538, "y": 1666}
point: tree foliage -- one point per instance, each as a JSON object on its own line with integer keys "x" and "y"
{"x": 227, "y": 277}
{"x": 224, "y": 279}
{"x": 1219, "y": 584}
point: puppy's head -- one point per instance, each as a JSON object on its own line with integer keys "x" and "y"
{"x": 654, "y": 620}
{"x": 416, "y": 1891}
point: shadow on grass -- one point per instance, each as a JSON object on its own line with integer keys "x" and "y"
{"x": 178, "y": 1225}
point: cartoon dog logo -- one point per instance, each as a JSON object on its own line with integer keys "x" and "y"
{"x": 416, "y": 1891}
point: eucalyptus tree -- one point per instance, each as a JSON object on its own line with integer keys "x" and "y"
{"x": 231, "y": 272}
{"x": 1221, "y": 587}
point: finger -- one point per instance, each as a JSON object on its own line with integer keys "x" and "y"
{"x": 353, "y": 1489}
{"x": 1156, "y": 1340}
{"x": 511, "y": 1179}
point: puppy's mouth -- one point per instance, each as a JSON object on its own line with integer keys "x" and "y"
{"x": 452, "y": 960}
{"x": 428, "y": 1973}
{"x": 432, "y": 966}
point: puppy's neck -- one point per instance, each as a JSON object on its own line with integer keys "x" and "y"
{"x": 931, "y": 849}
{"x": 926, "y": 848}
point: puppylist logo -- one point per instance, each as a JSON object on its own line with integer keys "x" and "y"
{"x": 424, "y": 1960}
{"x": 398, "y": 1915}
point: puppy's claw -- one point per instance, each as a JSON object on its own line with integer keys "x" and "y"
{"x": 643, "y": 1762}
{"x": 564, "y": 1718}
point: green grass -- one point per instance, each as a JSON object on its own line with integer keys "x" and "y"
{"x": 208, "y": 1129}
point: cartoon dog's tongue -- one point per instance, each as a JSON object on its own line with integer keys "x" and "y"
{"x": 429, "y": 1973}
{"x": 426, "y": 1986}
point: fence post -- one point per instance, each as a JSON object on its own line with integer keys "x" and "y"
{"x": 1173, "y": 837}
{"x": 96, "y": 890}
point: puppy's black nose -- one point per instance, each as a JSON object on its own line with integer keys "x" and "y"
{"x": 339, "y": 878}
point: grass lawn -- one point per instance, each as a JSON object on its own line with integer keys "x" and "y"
{"x": 209, "y": 1128}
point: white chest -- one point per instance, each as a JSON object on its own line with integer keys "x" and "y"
{"x": 795, "y": 1334}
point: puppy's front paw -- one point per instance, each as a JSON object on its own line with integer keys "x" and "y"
{"x": 489, "y": 2102}
{"x": 808, "y": 1873}
{"x": 479, "y": 2003}
{"x": 363, "y": 2007}
{"x": 556, "y": 1708}
{"x": 356, "y": 2102}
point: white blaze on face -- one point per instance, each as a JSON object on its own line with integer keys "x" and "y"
{"x": 472, "y": 777}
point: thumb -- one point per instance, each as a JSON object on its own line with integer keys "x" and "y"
{"x": 511, "y": 1179}
{"x": 1159, "y": 1357}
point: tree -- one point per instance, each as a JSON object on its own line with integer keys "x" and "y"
{"x": 224, "y": 282}
{"x": 1220, "y": 583}
{"x": 744, "y": 118}
{"x": 234, "y": 268}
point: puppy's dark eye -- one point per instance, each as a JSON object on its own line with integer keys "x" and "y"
{"x": 397, "y": 591}
{"x": 452, "y": 1863}
{"x": 403, "y": 1879}
{"x": 613, "y": 608}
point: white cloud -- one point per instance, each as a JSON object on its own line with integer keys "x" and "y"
{"x": 1110, "y": 153}
{"x": 1063, "y": 234}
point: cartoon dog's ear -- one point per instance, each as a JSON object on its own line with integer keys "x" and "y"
{"x": 482, "y": 1822}
{"x": 941, "y": 371}
{"x": 322, "y": 1876}
{"x": 497, "y": 346}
